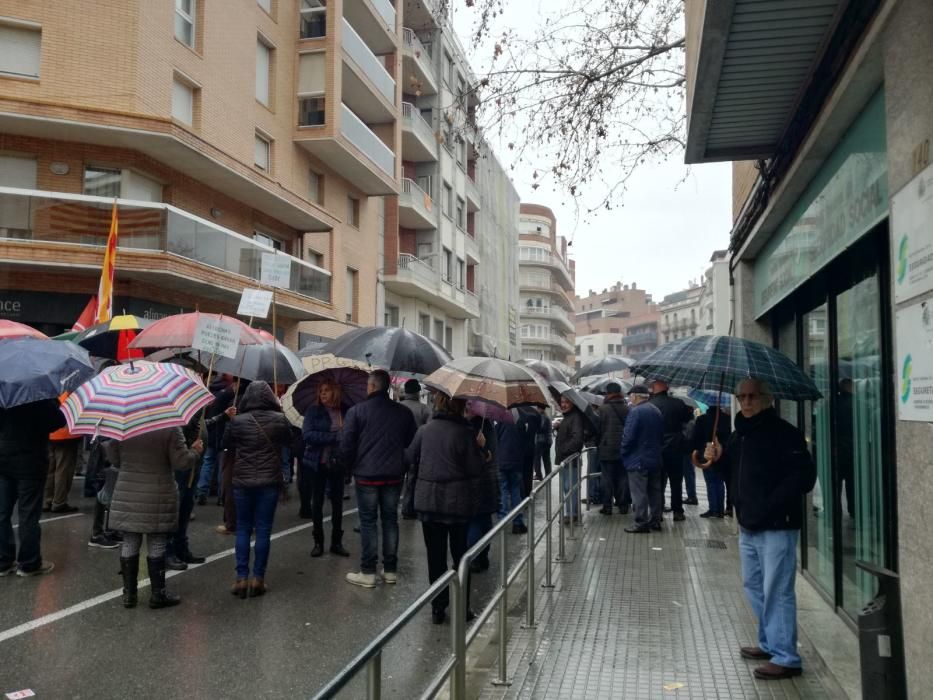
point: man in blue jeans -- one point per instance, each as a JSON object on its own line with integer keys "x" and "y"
{"x": 512, "y": 441}
{"x": 375, "y": 435}
{"x": 771, "y": 471}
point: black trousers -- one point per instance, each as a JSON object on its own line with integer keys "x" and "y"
{"x": 674, "y": 475}
{"x": 178, "y": 540}
{"x": 437, "y": 538}
{"x": 542, "y": 459}
{"x": 320, "y": 480}
{"x": 615, "y": 484}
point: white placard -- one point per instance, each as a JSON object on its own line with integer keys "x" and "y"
{"x": 255, "y": 303}
{"x": 276, "y": 270}
{"x": 915, "y": 362}
{"x": 216, "y": 336}
{"x": 912, "y": 237}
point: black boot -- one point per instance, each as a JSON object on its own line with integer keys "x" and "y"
{"x": 159, "y": 598}
{"x": 129, "y": 568}
{"x": 318, "y": 548}
{"x": 336, "y": 544}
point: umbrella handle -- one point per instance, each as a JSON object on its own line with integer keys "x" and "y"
{"x": 697, "y": 459}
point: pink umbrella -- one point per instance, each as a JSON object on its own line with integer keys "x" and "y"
{"x": 178, "y": 331}
{"x": 12, "y": 329}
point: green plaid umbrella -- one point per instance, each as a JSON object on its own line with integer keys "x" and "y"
{"x": 717, "y": 362}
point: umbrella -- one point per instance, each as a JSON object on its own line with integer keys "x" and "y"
{"x": 599, "y": 386}
{"x": 112, "y": 338}
{"x": 717, "y": 361}
{"x": 490, "y": 411}
{"x": 604, "y": 365}
{"x": 254, "y": 362}
{"x": 563, "y": 390}
{"x": 393, "y": 349}
{"x": 592, "y": 399}
{"x": 32, "y": 370}
{"x": 711, "y": 398}
{"x": 488, "y": 379}
{"x": 315, "y": 347}
{"x": 547, "y": 371}
{"x": 12, "y": 329}
{"x": 351, "y": 375}
{"x": 135, "y": 398}
{"x": 178, "y": 331}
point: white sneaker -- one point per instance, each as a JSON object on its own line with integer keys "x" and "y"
{"x": 361, "y": 579}
{"x": 44, "y": 568}
{"x": 9, "y": 571}
{"x": 390, "y": 576}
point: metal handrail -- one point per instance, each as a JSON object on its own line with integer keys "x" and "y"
{"x": 454, "y": 667}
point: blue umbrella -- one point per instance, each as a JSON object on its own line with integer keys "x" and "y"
{"x": 34, "y": 370}
{"x": 711, "y": 398}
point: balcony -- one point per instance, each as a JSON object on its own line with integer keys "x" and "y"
{"x": 374, "y": 22}
{"x": 430, "y": 14}
{"x": 549, "y": 260}
{"x": 369, "y": 79}
{"x": 553, "y": 340}
{"x": 552, "y": 313}
{"x": 415, "y": 207}
{"x": 472, "y": 194}
{"x": 416, "y": 279}
{"x": 419, "y": 144}
{"x": 417, "y": 69}
{"x": 642, "y": 338}
{"x": 471, "y": 247}
{"x": 160, "y": 246}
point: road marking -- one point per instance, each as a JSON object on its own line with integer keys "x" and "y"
{"x": 52, "y": 520}
{"x": 105, "y": 597}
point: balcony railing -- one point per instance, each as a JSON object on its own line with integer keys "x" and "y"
{"x": 367, "y": 61}
{"x": 386, "y": 11}
{"x": 59, "y": 218}
{"x": 361, "y": 136}
{"x": 421, "y": 55}
{"x": 415, "y": 197}
{"x": 471, "y": 301}
{"x": 544, "y": 259}
{"x": 411, "y": 117}
{"x": 419, "y": 269}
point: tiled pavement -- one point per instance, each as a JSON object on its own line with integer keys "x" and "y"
{"x": 647, "y": 616}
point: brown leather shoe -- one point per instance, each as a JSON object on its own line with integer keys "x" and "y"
{"x": 239, "y": 588}
{"x": 754, "y": 653}
{"x": 773, "y": 672}
{"x": 257, "y": 587}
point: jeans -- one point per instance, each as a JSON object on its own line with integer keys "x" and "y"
{"x": 255, "y": 510}
{"x": 690, "y": 479}
{"x": 510, "y": 487}
{"x": 615, "y": 485}
{"x": 594, "y": 486}
{"x": 287, "y": 465}
{"x": 178, "y": 540}
{"x": 570, "y": 477}
{"x": 210, "y": 472}
{"x": 436, "y": 538}
{"x": 769, "y": 569}
{"x": 715, "y": 490}
{"x": 674, "y": 475}
{"x": 376, "y": 502}
{"x": 478, "y": 526}
{"x": 27, "y": 493}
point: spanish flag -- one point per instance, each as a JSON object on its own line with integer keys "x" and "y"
{"x": 105, "y": 291}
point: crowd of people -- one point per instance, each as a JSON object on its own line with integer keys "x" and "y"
{"x": 438, "y": 462}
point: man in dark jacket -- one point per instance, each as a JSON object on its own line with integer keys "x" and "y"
{"x": 771, "y": 472}
{"x": 543, "y": 441}
{"x": 716, "y": 475}
{"x": 411, "y": 399}
{"x": 375, "y": 435}
{"x": 511, "y": 448}
{"x": 612, "y": 421}
{"x": 641, "y": 454}
{"x": 676, "y": 415}
{"x": 24, "y": 464}
{"x": 224, "y": 390}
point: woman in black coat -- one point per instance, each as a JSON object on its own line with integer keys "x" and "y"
{"x": 447, "y": 458}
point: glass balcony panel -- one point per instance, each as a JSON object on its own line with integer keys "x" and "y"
{"x": 361, "y": 136}
{"x": 368, "y": 63}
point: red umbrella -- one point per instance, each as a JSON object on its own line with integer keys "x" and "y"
{"x": 178, "y": 331}
{"x": 12, "y": 329}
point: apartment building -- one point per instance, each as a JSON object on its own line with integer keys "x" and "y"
{"x": 715, "y": 300}
{"x": 682, "y": 314}
{"x": 620, "y": 320}
{"x": 546, "y": 284}
{"x": 223, "y": 131}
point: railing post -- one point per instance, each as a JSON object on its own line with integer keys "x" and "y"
{"x": 580, "y": 489}
{"x": 501, "y": 678}
{"x": 547, "y": 537}
{"x": 458, "y": 596}
{"x": 574, "y": 493}
{"x": 530, "y": 608}
{"x": 374, "y": 677}
{"x": 561, "y": 539}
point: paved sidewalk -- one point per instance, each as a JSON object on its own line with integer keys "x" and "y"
{"x": 647, "y": 616}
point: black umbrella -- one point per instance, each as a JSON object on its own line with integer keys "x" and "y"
{"x": 315, "y": 347}
{"x": 254, "y": 362}
{"x": 599, "y": 386}
{"x": 562, "y": 390}
{"x": 604, "y": 365}
{"x": 548, "y": 371}
{"x": 393, "y": 349}
{"x": 33, "y": 370}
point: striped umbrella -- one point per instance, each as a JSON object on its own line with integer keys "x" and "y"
{"x": 12, "y": 329}
{"x": 135, "y": 398}
{"x": 718, "y": 362}
{"x": 489, "y": 379}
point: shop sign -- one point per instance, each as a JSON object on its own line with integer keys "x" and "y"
{"x": 914, "y": 329}
{"x": 846, "y": 199}
{"x": 912, "y": 237}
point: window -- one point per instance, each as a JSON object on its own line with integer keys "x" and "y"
{"x": 184, "y": 21}
{"x": 263, "y": 71}
{"x": 461, "y": 208}
{"x": 390, "y": 319}
{"x": 313, "y": 19}
{"x": 16, "y": 171}
{"x": 461, "y": 152}
{"x": 461, "y": 91}
{"x": 315, "y": 187}
{"x": 461, "y": 273}
{"x": 315, "y": 258}
{"x": 352, "y": 293}
{"x": 127, "y": 184}
{"x": 266, "y": 239}
{"x": 266, "y": 5}
{"x": 311, "y": 111}
{"x": 448, "y": 69}
{"x": 448, "y": 270}
{"x": 448, "y": 202}
{"x": 589, "y": 349}
{"x": 424, "y": 325}
{"x": 263, "y": 155}
{"x": 449, "y": 339}
{"x": 449, "y": 138}
{"x": 439, "y": 331}
{"x": 183, "y": 96}
{"x": 353, "y": 211}
{"x": 20, "y": 50}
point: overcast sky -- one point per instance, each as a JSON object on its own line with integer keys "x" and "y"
{"x": 668, "y": 222}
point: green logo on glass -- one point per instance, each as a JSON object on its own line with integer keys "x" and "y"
{"x": 902, "y": 260}
{"x": 906, "y": 373}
